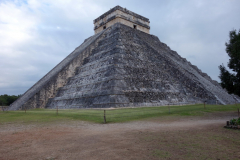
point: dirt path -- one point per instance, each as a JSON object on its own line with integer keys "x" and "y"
{"x": 158, "y": 138}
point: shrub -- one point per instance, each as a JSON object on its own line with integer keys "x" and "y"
{"x": 233, "y": 121}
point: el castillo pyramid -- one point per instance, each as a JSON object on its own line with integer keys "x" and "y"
{"x": 122, "y": 65}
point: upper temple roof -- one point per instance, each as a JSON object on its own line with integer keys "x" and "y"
{"x": 123, "y": 10}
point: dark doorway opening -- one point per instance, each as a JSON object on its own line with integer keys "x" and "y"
{"x": 104, "y": 27}
{"x": 135, "y": 26}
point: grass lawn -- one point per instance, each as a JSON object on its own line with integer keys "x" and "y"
{"x": 112, "y": 115}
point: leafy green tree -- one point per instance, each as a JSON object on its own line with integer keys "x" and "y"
{"x": 231, "y": 80}
{"x": 6, "y": 100}
{"x": 3, "y": 100}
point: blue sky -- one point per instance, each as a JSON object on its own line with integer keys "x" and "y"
{"x": 36, "y": 35}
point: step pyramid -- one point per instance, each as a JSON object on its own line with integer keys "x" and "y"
{"x": 123, "y": 67}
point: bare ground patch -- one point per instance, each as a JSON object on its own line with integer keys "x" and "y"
{"x": 156, "y": 138}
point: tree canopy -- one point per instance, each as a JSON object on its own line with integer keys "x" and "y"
{"x": 231, "y": 80}
{"x": 6, "y": 100}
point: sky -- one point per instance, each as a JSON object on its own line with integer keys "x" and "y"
{"x": 35, "y": 35}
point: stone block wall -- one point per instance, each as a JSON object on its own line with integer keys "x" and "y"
{"x": 125, "y": 22}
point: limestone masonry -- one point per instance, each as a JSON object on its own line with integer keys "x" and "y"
{"x": 121, "y": 15}
{"x": 121, "y": 66}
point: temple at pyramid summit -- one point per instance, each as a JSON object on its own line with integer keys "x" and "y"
{"x": 123, "y": 65}
{"x": 123, "y": 16}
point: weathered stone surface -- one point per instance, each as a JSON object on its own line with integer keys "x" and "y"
{"x": 122, "y": 67}
{"x": 121, "y": 15}
{"x": 38, "y": 95}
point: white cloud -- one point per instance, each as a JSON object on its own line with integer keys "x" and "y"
{"x": 16, "y": 24}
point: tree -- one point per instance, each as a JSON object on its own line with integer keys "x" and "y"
{"x": 231, "y": 81}
{"x": 7, "y": 99}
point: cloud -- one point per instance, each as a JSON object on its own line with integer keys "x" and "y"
{"x": 16, "y": 29}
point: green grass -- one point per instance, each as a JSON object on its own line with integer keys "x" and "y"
{"x": 112, "y": 115}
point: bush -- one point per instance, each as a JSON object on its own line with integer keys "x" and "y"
{"x": 238, "y": 121}
{"x": 6, "y": 100}
{"x": 235, "y": 121}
